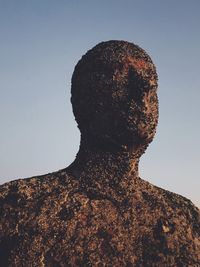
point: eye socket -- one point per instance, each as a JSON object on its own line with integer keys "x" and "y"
{"x": 136, "y": 85}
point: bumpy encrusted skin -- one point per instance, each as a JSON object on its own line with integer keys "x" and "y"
{"x": 114, "y": 95}
{"x": 52, "y": 221}
{"x": 97, "y": 211}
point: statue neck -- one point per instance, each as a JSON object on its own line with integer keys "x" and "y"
{"x": 106, "y": 172}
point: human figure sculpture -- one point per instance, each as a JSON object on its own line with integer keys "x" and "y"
{"x": 97, "y": 211}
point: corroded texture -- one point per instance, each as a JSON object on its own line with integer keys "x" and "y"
{"x": 97, "y": 211}
{"x": 114, "y": 96}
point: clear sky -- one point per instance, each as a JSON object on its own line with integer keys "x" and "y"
{"x": 42, "y": 40}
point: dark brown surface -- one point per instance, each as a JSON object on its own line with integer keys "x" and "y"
{"x": 98, "y": 212}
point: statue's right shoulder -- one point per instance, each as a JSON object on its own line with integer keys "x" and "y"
{"x": 19, "y": 197}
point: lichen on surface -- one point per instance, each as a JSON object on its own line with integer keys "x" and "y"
{"x": 98, "y": 211}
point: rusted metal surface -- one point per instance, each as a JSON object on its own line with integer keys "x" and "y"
{"x": 98, "y": 211}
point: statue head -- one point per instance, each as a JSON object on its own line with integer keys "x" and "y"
{"x": 114, "y": 96}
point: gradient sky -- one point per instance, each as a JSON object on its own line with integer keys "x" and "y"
{"x": 42, "y": 40}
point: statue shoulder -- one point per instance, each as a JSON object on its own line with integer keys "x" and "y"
{"x": 183, "y": 207}
{"x": 184, "y": 224}
{"x": 21, "y": 199}
{"x": 172, "y": 229}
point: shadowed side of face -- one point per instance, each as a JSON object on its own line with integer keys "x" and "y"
{"x": 114, "y": 95}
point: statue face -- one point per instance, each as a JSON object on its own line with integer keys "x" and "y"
{"x": 114, "y": 94}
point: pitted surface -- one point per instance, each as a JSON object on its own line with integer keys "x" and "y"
{"x": 52, "y": 221}
{"x": 97, "y": 211}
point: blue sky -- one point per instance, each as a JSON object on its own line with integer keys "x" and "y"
{"x": 41, "y": 41}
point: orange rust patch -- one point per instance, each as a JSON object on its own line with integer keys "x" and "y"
{"x": 138, "y": 64}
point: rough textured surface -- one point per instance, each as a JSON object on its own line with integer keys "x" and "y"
{"x": 97, "y": 211}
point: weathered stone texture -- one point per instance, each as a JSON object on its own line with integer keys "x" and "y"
{"x": 97, "y": 211}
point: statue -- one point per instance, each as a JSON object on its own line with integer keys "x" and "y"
{"x": 98, "y": 211}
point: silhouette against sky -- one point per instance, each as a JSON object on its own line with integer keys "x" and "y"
{"x": 41, "y": 41}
